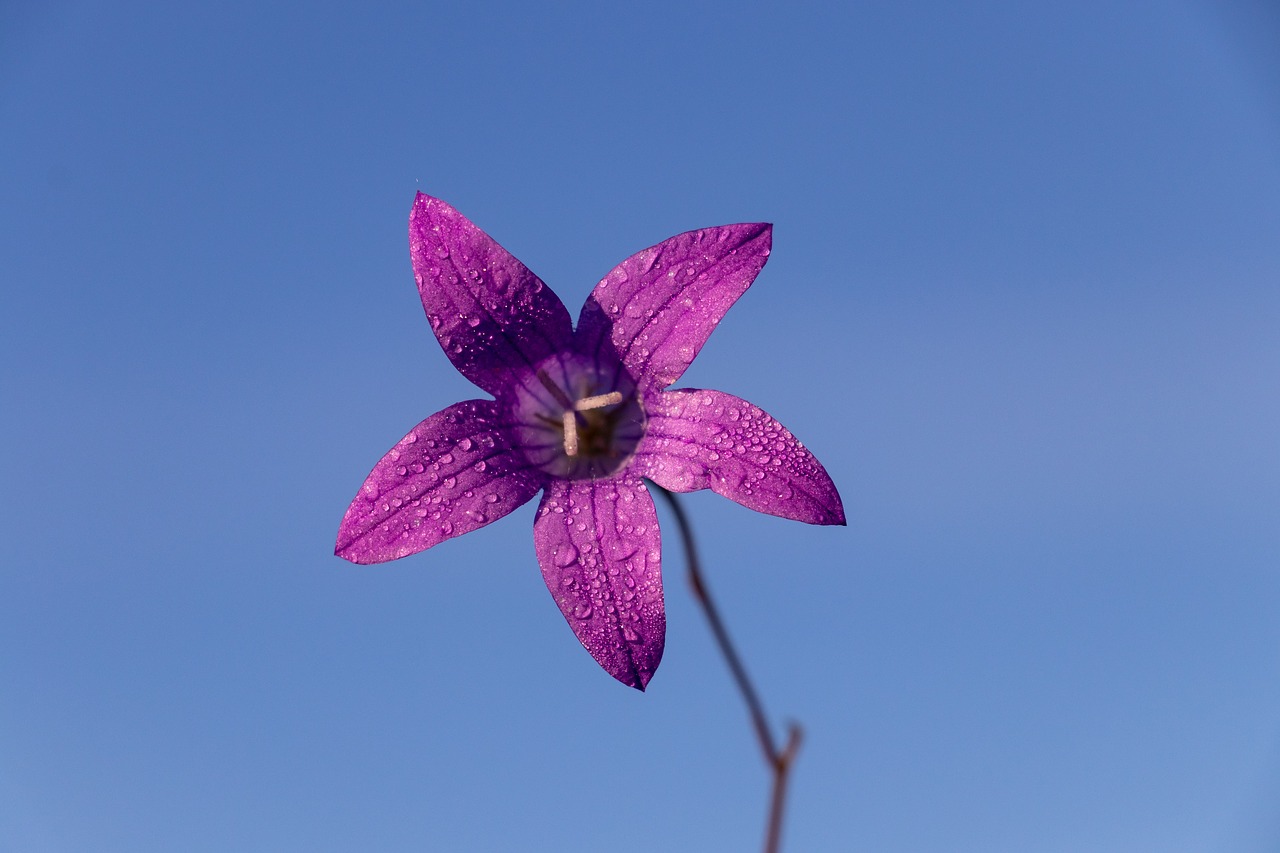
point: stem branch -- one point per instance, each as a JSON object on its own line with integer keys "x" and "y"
{"x": 779, "y": 761}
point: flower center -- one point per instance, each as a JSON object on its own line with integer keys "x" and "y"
{"x": 570, "y": 417}
{"x": 582, "y": 420}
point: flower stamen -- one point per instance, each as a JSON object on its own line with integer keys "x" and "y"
{"x": 578, "y": 418}
{"x": 598, "y": 401}
{"x": 570, "y": 434}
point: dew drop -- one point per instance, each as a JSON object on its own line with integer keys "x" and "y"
{"x": 566, "y": 555}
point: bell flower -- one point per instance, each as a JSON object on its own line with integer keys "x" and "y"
{"x": 584, "y": 416}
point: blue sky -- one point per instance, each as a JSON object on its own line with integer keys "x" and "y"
{"x": 1023, "y": 304}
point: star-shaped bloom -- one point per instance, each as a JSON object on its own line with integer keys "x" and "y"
{"x": 582, "y": 415}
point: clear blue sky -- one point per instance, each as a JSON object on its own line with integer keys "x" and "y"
{"x": 1024, "y": 303}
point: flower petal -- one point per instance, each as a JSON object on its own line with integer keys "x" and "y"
{"x": 600, "y": 551}
{"x": 454, "y": 472}
{"x": 709, "y": 439}
{"x": 657, "y": 308}
{"x": 489, "y": 312}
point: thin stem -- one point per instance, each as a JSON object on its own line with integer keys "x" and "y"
{"x": 779, "y": 761}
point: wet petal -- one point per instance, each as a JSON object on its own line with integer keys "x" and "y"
{"x": 657, "y": 308}
{"x": 491, "y": 314}
{"x": 600, "y": 551}
{"x": 454, "y": 472}
{"x": 709, "y": 439}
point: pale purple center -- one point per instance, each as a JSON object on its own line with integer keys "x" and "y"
{"x": 577, "y": 419}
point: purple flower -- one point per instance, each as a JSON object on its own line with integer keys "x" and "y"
{"x": 582, "y": 415}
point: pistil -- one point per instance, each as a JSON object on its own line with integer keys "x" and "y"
{"x": 553, "y": 389}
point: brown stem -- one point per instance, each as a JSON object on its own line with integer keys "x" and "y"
{"x": 779, "y": 761}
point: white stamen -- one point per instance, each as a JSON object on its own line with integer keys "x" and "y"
{"x": 587, "y": 403}
{"x": 570, "y": 434}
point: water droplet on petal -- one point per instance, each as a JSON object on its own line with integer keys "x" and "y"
{"x": 582, "y": 611}
{"x": 565, "y": 555}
